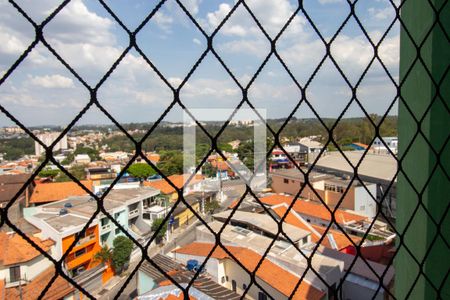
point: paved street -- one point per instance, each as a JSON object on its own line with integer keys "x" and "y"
{"x": 181, "y": 236}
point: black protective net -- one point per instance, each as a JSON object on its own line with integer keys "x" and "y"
{"x": 245, "y": 100}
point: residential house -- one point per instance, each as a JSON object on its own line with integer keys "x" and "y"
{"x": 272, "y": 278}
{"x": 98, "y": 174}
{"x": 151, "y": 283}
{"x": 333, "y": 238}
{"x": 362, "y": 281}
{"x": 318, "y": 214}
{"x": 183, "y": 215}
{"x": 10, "y": 185}
{"x": 55, "y": 191}
{"x": 24, "y": 271}
{"x": 377, "y": 169}
{"x": 264, "y": 225}
{"x": 179, "y": 181}
{"x": 313, "y": 212}
{"x": 82, "y": 159}
{"x": 333, "y": 190}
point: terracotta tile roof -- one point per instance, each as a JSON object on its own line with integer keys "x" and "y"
{"x": 9, "y": 179}
{"x": 17, "y": 250}
{"x": 32, "y": 290}
{"x": 11, "y": 184}
{"x": 153, "y": 157}
{"x": 2, "y": 289}
{"x": 313, "y": 209}
{"x": 275, "y": 276}
{"x": 317, "y": 231}
{"x": 177, "y": 180}
{"x": 54, "y": 191}
{"x": 361, "y": 145}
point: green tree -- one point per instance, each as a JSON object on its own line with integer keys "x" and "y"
{"x": 245, "y": 154}
{"x": 171, "y": 162}
{"x": 69, "y": 159}
{"x": 141, "y": 171}
{"x": 121, "y": 253}
{"x": 49, "y": 173}
{"x": 77, "y": 171}
{"x": 104, "y": 255}
{"x": 93, "y": 153}
{"x": 155, "y": 225}
{"x": 212, "y": 206}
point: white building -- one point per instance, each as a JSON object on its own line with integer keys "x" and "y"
{"x": 82, "y": 159}
{"x": 391, "y": 142}
{"x": 19, "y": 261}
{"x": 48, "y": 138}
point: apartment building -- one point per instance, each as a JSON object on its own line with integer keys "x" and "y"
{"x": 330, "y": 188}
{"x": 48, "y": 138}
{"x": 64, "y": 220}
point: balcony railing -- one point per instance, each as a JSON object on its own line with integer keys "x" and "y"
{"x": 106, "y": 227}
{"x": 86, "y": 239}
{"x": 133, "y": 213}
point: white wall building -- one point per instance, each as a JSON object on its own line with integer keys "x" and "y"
{"x": 48, "y": 138}
{"x": 391, "y": 143}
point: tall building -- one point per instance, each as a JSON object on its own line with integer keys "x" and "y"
{"x": 48, "y": 138}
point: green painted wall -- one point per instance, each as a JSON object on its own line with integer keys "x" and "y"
{"x": 419, "y": 163}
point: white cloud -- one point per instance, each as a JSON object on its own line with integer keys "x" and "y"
{"x": 198, "y": 89}
{"x": 163, "y": 21}
{"x": 193, "y": 6}
{"x": 10, "y": 44}
{"x": 196, "y": 41}
{"x": 382, "y": 13}
{"x": 52, "y": 81}
{"x": 254, "y": 47}
{"x": 273, "y": 15}
{"x": 214, "y": 18}
{"x": 76, "y": 24}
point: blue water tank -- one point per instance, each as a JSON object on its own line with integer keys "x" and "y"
{"x": 192, "y": 264}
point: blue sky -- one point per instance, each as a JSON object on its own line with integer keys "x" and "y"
{"x": 42, "y": 91}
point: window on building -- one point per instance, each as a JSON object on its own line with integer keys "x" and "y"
{"x": 14, "y": 274}
{"x": 222, "y": 280}
{"x": 262, "y": 296}
{"x": 104, "y": 238}
{"x": 305, "y": 240}
{"x": 286, "y": 181}
{"x": 117, "y": 231}
{"x": 80, "y": 252}
{"x": 233, "y": 285}
{"x": 105, "y": 221}
{"x": 244, "y": 286}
